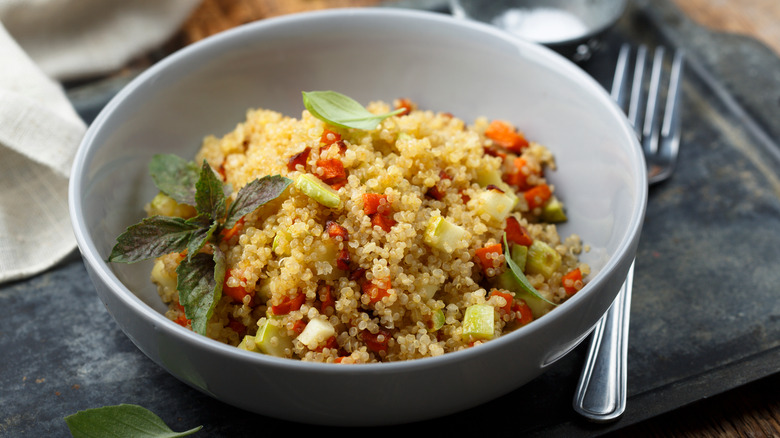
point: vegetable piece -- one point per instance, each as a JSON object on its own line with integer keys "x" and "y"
{"x": 332, "y": 170}
{"x": 289, "y": 304}
{"x": 445, "y": 235}
{"x": 542, "y": 259}
{"x": 329, "y": 137}
{"x": 553, "y": 211}
{"x": 488, "y": 257}
{"x": 376, "y": 290}
{"x": 510, "y": 300}
{"x": 496, "y": 203}
{"x": 505, "y": 135}
{"x": 516, "y": 233}
{"x": 372, "y": 202}
{"x": 314, "y": 188}
{"x": 537, "y": 196}
{"x": 281, "y": 243}
{"x": 524, "y": 310}
{"x": 298, "y": 159}
{"x": 384, "y": 222}
{"x": 519, "y": 255}
{"x": 376, "y": 342}
{"x": 164, "y": 205}
{"x": 437, "y": 320}
{"x": 336, "y": 231}
{"x": 271, "y": 339}
{"x": 121, "y": 421}
{"x": 237, "y": 293}
{"x": 521, "y": 280}
{"x": 229, "y": 233}
{"x": 317, "y": 331}
{"x": 406, "y": 105}
{"x": 340, "y": 110}
{"x": 572, "y": 281}
{"x": 478, "y": 322}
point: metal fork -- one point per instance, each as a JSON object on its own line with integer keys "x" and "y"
{"x": 601, "y": 392}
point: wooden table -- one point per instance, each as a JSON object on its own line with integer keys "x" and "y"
{"x": 752, "y": 410}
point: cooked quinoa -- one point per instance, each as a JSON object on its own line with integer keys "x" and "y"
{"x": 360, "y": 282}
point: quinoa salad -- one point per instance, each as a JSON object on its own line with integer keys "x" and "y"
{"x": 422, "y": 236}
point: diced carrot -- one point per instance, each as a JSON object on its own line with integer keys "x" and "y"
{"x": 537, "y": 196}
{"x": 383, "y": 222}
{"x": 506, "y": 136}
{"x": 516, "y": 233}
{"x": 521, "y": 170}
{"x": 289, "y": 304}
{"x": 342, "y": 261}
{"x": 372, "y": 201}
{"x": 572, "y": 281}
{"x": 336, "y": 231}
{"x": 332, "y": 170}
{"x": 326, "y": 298}
{"x": 376, "y": 342}
{"x": 329, "y": 137}
{"x": 236, "y": 292}
{"x": 376, "y": 290}
{"x": 299, "y": 158}
{"x": 487, "y": 257}
{"x": 232, "y": 232}
{"x": 510, "y": 300}
{"x": 493, "y": 152}
{"x": 524, "y": 312}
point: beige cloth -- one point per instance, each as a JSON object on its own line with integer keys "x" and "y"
{"x": 42, "y": 42}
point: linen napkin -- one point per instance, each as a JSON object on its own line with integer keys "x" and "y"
{"x": 41, "y": 43}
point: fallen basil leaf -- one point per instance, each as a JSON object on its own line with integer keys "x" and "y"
{"x": 209, "y": 194}
{"x": 151, "y": 238}
{"x": 522, "y": 280}
{"x": 254, "y": 195}
{"x": 121, "y": 421}
{"x": 340, "y": 110}
{"x": 200, "y": 287}
{"x": 175, "y": 177}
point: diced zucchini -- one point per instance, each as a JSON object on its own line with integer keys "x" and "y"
{"x": 542, "y": 259}
{"x": 444, "y": 235}
{"x": 496, "y": 203}
{"x": 437, "y": 320}
{"x": 271, "y": 339}
{"x": 281, "y": 243}
{"x": 164, "y": 205}
{"x": 428, "y": 291}
{"x": 507, "y": 281}
{"x": 314, "y": 188}
{"x": 316, "y": 332}
{"x": 553, "y": 211}
{"x": 486, "y": 177}
{"x": 519, "y": 255}
{"x": 478, "y": 321}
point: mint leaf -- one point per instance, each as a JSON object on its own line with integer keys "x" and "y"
{"x": 200, "y": 286}
{"x": 254, "y": 195}
{"x": 151, "y": 238}
{"x": 200, "y": 235}
{"x": 209, "y": 193}
{"x": 340, "y": 110}
{"x": 175, "y": 176}
{"x": 522, "y": 280}
{"x": 121, "y": 421}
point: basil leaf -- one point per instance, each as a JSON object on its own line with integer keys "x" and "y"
{"x": 200, "y": 286}
{"x": 254, "y": 195}
{"x": 121, "y": 421}
{"x": 151, "y": 238}
{"x": 340, "y": 110}
{"x": 522, "y": 280}
{"x": 201, "y": 235}
{"x": 175, "y": 176}
{"x": 209, "y": 194}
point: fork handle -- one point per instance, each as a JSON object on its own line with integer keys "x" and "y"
{"x": 601, "y": 391}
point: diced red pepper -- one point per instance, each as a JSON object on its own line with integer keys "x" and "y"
{"x": 298, "y": 326}
{"x": 237, "y": 326}
{"x": 572, "y": 281}
{"x": 537, "y": 196}
{"x": 237, "y": 293}
{"x": 182, "y": 318}
{"x": 372, "y": 201}
{"x": 333, "y": 171}
{"x": 510, "y": 300}
{"x": 342, "y": 261}
{"x": 520, "y": 173}
{"x": 326, "y": 298}
{"x": 406, "y": 104}
{"x": 435, "y": 193}
{"x": 336, "y": 231}
{"x": 299, "y": 158}
{"x": 376, "y": 290}
{"x": 506, "y": 136}
{"x": 232, "y": 232}
{"x": 289, "y": 304}
{"x": 487, "y": 256}
{"x": 516, "y": 233}
{"x": 493, "y": 152}
{"x": 329, "y": 137}
{"x": 383, "y": 222}
{"x": 524, "y": 312}
{"x": 357, "y": 274}
{"x": 377, "y": 342}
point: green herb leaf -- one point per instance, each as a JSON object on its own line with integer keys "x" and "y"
{"x": 522, "y": 280}
{"x": 254, "y": 195}
{"x": 209, "y": 193}
{"x": 340, "y": 110}
{"x": 152, "y": 237}
{"x": 175, "y": 176}
{"x": 200, "y": 286}
{"x": 121, "y": 421}
{"x": 201, "y": 235}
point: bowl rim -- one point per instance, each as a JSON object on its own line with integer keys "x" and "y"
{"x": 90, "y": 254}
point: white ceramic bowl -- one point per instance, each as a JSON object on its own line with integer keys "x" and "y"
{"x": 443, "y": 64}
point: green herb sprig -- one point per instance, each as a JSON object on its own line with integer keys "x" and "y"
{"x": 201, "y": 273}
{"x": 520, "y": 277}
{"x": 121, "y": 421}
{"x": 343, "y": 111}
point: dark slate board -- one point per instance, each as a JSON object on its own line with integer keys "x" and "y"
{"x": 705, "y": 314}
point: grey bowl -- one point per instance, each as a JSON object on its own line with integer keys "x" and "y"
{"x": 443, "y": 64}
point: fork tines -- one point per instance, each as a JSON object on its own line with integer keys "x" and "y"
{"x": 656, "y": 123}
